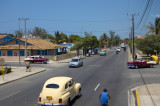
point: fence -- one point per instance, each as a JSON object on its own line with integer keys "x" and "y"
{"x": 63, "y": 56}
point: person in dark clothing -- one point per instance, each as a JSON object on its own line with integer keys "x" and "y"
{"x": 104, "y": 96}
{"x": 135, "y": 56}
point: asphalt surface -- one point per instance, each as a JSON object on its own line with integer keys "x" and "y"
{"x": 98, "y": 72}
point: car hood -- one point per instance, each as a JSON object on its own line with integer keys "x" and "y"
{"x": 73, "y": 62}
{"x": 102, "y": 52}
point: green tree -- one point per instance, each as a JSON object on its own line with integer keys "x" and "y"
{"x": 94, "y": 43}
{"x": 48, "y": 36}
{"x": 39, "y": 31}
{"x": 63, "y": 38}
{"x": 157, "y": 25}
{"x": 19, "y": 33}
{"x": 112, "y": 33}
{"x": 74, "y": 38}
{"x": 77, "y": 46}
{"x": 57, "y": 37}
{"x": 149, "y": 44}
{"x": 154, "y": 29}
{"x": 60, "y": 37}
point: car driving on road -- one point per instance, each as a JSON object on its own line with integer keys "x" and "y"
{"x": 118, "y": 49}
{"x": 76, "y": 62}
{"x": 102, "y": 53}
{"x": 59, "y": 91}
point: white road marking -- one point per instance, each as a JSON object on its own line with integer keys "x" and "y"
{"x": 97, "y": 87}
{"x": 9, "y": 95}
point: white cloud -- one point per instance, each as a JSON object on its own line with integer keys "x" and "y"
{"x": 157, "y": 15}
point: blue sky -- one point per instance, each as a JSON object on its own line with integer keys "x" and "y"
{"x": 77, "y": 16}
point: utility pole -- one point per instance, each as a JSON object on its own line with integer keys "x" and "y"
{"x": 25, "y": 35}
{"x": 19, "y": 41}
{"x": 133, "y": 49}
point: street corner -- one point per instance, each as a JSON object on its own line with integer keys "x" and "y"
{"x": 145, "y": 95}
{"x": 133, "y": 99}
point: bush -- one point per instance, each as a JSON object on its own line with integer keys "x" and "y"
{"x": 8, "y": 70}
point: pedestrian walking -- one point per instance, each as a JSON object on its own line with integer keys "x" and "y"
{"x": 27, "y": 66}
{"x": 104, "y": 96}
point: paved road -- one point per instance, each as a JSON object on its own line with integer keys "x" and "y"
{"x": 97, "y": 73}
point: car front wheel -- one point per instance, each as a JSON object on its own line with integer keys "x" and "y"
{"x": 79, "y": 93}
{"x": 68, "y": 103}
{"x": 136, "y": 66}
{"x": 151, "y": 66}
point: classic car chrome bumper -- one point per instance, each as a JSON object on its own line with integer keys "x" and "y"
{"x": 48, "y": 104}
{"x": 131, "y": 66}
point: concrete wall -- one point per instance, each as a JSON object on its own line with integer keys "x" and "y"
{"x": 13, "y": 58}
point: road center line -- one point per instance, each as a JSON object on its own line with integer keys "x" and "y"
{"x": 9, "y": 95}
{"x": 97, "y": 87}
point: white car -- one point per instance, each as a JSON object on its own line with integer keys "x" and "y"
{"x": 118, "y": 49}
{"x": 76, "y": 62}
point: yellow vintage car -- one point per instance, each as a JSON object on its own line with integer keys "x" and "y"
{"x": 155, "y": 58}
{"x": 59, "y": 91}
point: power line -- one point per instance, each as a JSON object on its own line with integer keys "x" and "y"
{"x": 57, "y": 20}
{"x": 148, "y": 4}
{"x": 144, "y": 22}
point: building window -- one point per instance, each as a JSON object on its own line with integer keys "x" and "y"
{"x": 21, "y": 53}
{"x": 45, "y": 52}
{"x": 49, "y": 52}
{"x": 16, "y": 42}
{"x": 10, "y": 53}
{"x": 38, "y": 52}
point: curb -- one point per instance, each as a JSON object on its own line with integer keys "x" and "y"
{"x": 22, "y": 77}
{"x": 137, "y": 98}
{"x": 63, "y": 62}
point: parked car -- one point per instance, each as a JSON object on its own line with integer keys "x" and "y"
{"x": 154, "y": 59}
{"x": 139, "y": 63}
{"x": 102, "y": 53}
{"x": 76, "y": 62}
{"x": 33, "y": 59}
{"x": 59, "y": 91}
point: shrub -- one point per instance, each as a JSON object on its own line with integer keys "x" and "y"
{"x": 8, "y": 70}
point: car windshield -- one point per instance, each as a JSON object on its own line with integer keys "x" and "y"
{"x": 55, "y": 86}
{"x": 102, "y": 50}
{"x": 74, "y": 60}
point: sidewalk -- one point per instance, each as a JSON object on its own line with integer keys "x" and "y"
{"x": 149, "y": 95}
{"x": 145, "y": 95}
{"x": 18, "y": 73}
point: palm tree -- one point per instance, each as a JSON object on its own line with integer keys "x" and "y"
{"x": 154, "y": 29}
{"x": 157, "y": 25}
{"x": 151, "y": 28}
